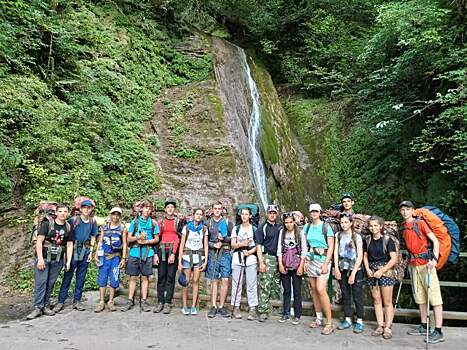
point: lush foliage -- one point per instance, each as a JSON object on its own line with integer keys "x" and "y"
{"x": 78, "y": 82}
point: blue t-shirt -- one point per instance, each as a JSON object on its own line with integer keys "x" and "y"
{"x": 151, "y": 229}
{"x": 315, "y": 238}
{"x": 112, "y": 240}
{"x": 83, "y": 231}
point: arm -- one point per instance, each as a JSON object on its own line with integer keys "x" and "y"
{"x": 99, "y": 244}
{"x": 39, "y": 249}
{"x": 434, "y": 261}
{"x": 124, "y": 247}
{"x": 69, "y": 254}
{"x": 259, "y": 248}
{"x": 358, "y": 262}
{"x": 367, "y": 265}
{"x": 180, "y": 251}
{"x": 206, "y": 249}
{"x": 337, "y": 272}
{"x": 388, "y": 266}
{"x": 279, "y": 253}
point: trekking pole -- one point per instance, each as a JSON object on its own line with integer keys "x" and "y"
{"x": 238, "y": 285}
{"x": 397, "y": 297}
{"x": 427, "y": 307}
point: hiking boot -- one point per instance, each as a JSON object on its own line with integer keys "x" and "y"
{"x": 252, "y": 314}
{"x": 78, "y": 305}
{"x": 223, "y": 312}
{"x": 185, "y": 311}
{"x": 57, "y": 308}
{"x": 111, "y": 306}
{"x": 295, "y": 320}
{"x": 35, "y": 313}
{"x": 284, "y": 318}
{"x": 194, "y": 310}
{"x": 99, "y": 307}
{"x": 419, "y": 330}
{"x": 168, "y": 308}
{"x": 159, "y": 307}
{"x": 262, "y": 318}
{"x": 212, "y": 312}
{"x": 48, "y": 312}
{"x": 128, "y": 306}
{"x": 145, "y": 307}
{"x": 435, "y": 337}
{"x": 344, "y": 324}
{"x": 358, "y": 328}
{"x": 236, "y": 313}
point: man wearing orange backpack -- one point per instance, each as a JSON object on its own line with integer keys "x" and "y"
{"x": 424, "y": 249}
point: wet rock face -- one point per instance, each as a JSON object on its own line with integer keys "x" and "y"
{"x": 197, "y": 154}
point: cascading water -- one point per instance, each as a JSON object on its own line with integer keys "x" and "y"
{"x": 256, "y": 163}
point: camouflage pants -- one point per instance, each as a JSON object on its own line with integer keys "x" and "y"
{"x": 268, "y": 284}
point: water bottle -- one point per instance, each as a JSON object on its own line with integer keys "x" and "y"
{"x": 100, "y": 255}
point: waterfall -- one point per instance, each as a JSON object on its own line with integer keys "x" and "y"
{"x": 256, "y": 163}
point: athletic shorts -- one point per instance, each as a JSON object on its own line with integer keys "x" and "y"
{"x": 418, "y": 275}
{"x": 109, "y": 271}
{"x": 313, "y": 268}
{"x": 135, "y": 267}
{"x": 219, "y": 265}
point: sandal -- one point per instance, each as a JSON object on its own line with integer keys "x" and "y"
{"x": 378, "y": 331}
{"x": 316, "y": 323}
{"x": 387, "y": 334}
{"x": 328, "y": 329}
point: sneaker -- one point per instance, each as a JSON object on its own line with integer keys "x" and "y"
{"x": 284, "y": 318}
{"x": 295, "y": 320}
{"x": 419, "y": 330}
{"x": 262, "y": 318}
{"x": 236, "y": 313}
{"x": 111, "y": 306}
{"x": 328, "y": 329}
{"x": 167, "y": 308}
{"x": 185, "y": 311}
{"x": 57, "y": 308}
{"x": 223, "y": 312}
{"x": 344, "y": 325}
{"x": 252, "y": 315}
{"x": 78, "y": 305}
{"x": 159, "y": 307}
{"x": 212, "y": 312}
{"x": 48, "y": 312}
{"x": 435, "y": 337}
{"x": 145, "y": 307}
{"x": 194, "y": 311}
{"x": 100, "y": 307}
{"x": 35, "y": 313}
{"x": 128, "y": 306}
{"x": 358, "y": 328}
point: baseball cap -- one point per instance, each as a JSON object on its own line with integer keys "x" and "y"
{"x": 408, "y": 204}
{"x": 170, "y": 201}
{"x": 314, "y": 207}
{"x": 346, "y": 195}
{"x": 272, "y": 207}
{"x": 116, "y": 210}
{"x": 86, "y": 203}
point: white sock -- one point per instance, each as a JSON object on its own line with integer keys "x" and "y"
{"x": 319, "y": 316}
{"x": 359, "y": 320}
{"x": 348, "y": 319}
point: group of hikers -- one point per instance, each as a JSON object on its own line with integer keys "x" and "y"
{"x": 279, "y": 251}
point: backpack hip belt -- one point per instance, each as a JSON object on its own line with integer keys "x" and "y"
{"x": 146, "y": 252}
{"x": 83, "y": 246}
{"x": 164, "y": 247}
{"x": 424, "y": 256}
{"x": 316, "y": 251}
{"x": 109, "y": 256}
{"x": 53, "y": 250}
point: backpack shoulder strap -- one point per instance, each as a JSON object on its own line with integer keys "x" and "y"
{"x": 264, "y": 231}
{"x": 325, "y": 232}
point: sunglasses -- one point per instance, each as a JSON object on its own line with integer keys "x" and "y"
{"x": 272, "y": 207}
{"x": 288, "y": 216}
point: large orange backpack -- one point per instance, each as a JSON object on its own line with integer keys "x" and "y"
{"x": 438, "y": 227}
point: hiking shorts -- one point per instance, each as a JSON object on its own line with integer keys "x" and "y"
{"x": 219, "y": 265}
{"x": 313, "y": 268}
{"x": 109, "y": 271}
{"x": 419, "y": 277}
{"x": 135, "y": 267}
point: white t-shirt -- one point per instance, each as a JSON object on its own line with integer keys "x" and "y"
{"x": 194, "y": 239}
{"x": 242, "y": 235}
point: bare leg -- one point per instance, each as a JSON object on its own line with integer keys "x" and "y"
{"x": 377, "y": 302}
{"x": 388, "y": 307}
{"x": 322, "y": 293}
{"x": 438, "y": 311}
{"x": 213, "y": 292}
{"x": 144, "y": 287}
{"x": 102, "y": 294}
{"x": 132, "y": 287}
{"x": 224, "y": 290}
{"x": 195, "y": 282}
{"x": 111, "y": 294}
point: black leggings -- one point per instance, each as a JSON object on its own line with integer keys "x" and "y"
{"x": 349, "y": 290}
{"x": 166, "y": 280}
{"x": 288, "y": 280}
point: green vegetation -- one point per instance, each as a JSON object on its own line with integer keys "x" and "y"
{"x": 78, "y": 81}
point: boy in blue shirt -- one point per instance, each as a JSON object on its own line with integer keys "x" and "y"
{"x": 143, "y": 234}
{"x": 83, "y": 233}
